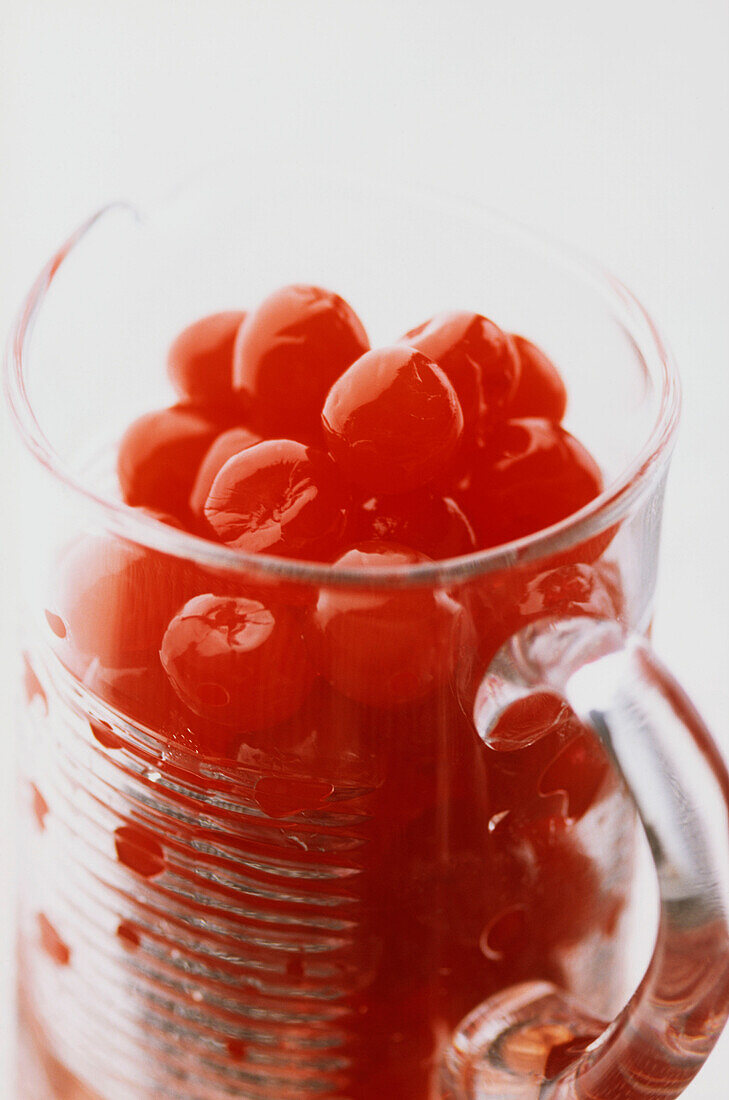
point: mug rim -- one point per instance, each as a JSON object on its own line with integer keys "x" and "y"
{"x": 612, "y": 504}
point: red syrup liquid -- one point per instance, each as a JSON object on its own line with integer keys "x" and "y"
{"x": 320, "y": 907}
{"x": 271, "y": 856}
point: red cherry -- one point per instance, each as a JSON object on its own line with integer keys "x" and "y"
{"x": 288, "y": 353}
{"x": 115, "y": 600}
{"x": 392, "y": 421}
{"x": 479, "y": 359}
{"x": 159, "y": 456}
{"x": 541, "y": 391}
{"x": 104, "y": 733}
{"x": 237, "y": 662}
{"x": 276, "y": 497}
{"x": 567, "y": 898}
{"x": 142, "y": 696}
{"x": 427, "y": 522}
{"x": 384, "y": 647}
{"x": 224, "y": 447}
{"x": 145, "y": 697}
{"x": 538, "y": 865}
{"x": 200, "y": 359}
{"x": 530, "y": 474}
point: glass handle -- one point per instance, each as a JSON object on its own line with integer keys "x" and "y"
{"x": 535, "y": 1042}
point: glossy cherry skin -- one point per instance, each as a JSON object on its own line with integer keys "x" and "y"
{"x": 386, "y": 646}
{"x": 540, "y": 391}
{"x": 159, "y": 456}
{"x": 529, "y": 474}
{"x": 479, "y": 359}
{"x": 423, "y": 520}
{"x": 392, "y": 421}
{"x": 224, "y": 447}
{"x": 236, "y": 661}
{"x": 289, "y": 351}
{"x": 277, "y": 497}
{"x": 200, "y": 359}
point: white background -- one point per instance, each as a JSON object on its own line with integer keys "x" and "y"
{"x": 604, "y": 123}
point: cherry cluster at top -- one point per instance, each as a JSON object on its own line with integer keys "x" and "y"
{"x": 293, "y": 437}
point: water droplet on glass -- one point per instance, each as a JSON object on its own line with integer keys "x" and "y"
{"x": 138, "y": 849}
{"x": 104, "y": 734}
{"x": 33, "y": 687}
{"x": 278, "y": 796}
{"x": 52, "y": 943}
{"x": 56, "y": 624}
{"x": 236, "y": 1049}
{"x": 128, "y": 935}
{"x": 40, "y": 806}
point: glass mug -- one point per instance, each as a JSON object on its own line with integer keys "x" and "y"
{"x": 426, "y": 897}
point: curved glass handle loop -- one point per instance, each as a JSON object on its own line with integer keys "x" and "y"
{"x": 680, "y": 787}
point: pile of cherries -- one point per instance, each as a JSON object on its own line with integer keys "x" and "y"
{"x": 292, "y": 437}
